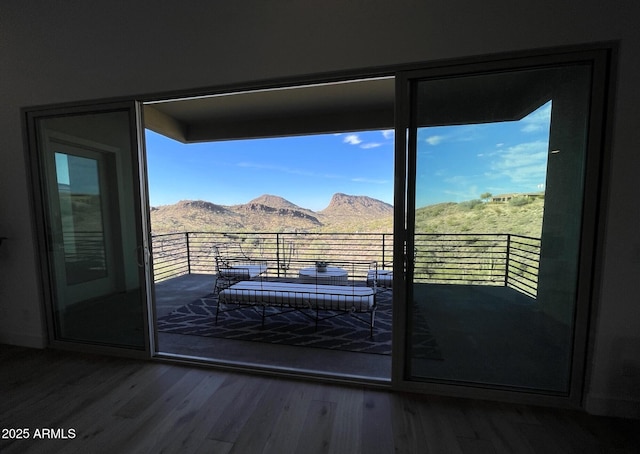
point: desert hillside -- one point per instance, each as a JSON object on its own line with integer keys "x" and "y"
{"x": 348, "y": 213}
{"x": 521, "y": 217}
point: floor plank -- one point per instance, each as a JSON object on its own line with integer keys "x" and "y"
{"x": 315, "y": 435}
{"x": 440, "y": 434}
{"x": 259, "y": 426}
{"x": 294, "y": 409}
{"x": 409, "y": 435}
{"x": 347, "y": 425}
{"x": 191, "y": 435}
{"x": 238, "y": 398}
{"x": 476, "y": 446}
{"x": 129, "y": 406}
{"x": 133, "y": 433}
{"x": 377, "y": 428}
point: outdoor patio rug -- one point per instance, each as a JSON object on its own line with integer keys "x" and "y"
{"x": 345, "y": 332}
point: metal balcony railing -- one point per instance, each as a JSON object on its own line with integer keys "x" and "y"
{"x": 193, "y": 252}
{"x": 480, "y": 259}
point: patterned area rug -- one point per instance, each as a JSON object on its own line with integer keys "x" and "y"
{"x": 345, "y": 332}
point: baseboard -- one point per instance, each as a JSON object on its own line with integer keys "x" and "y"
{"x": 22, "y": 340}
{"x": 607, "y": 406}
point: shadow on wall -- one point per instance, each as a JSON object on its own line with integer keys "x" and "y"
{"x": 625, "y": 357}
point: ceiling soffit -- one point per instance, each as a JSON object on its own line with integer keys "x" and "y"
{"x": 359, "y": 105}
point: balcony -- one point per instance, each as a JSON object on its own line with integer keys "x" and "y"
{"x": 481, "y": 289}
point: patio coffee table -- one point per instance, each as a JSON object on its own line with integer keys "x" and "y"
{"x": 333, "y": 276}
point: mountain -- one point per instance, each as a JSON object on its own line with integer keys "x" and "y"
{"x": 274, "y": 201}
{"x": 347, "y": 213}
{"x": 360, "y": 205}
{"x": 285, "y": 215}
{"x": 272, "y": 205}
{"x": 194, "y": 215}
{"x": 275, "y": 214}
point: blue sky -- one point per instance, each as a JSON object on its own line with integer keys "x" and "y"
{"x": 459, "y": 163}
{"x": 455, "y": 163}
{"x": 305, "y": 170}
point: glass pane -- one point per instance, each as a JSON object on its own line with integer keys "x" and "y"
{"x": 81, "y": 218}
{"x": 92, "y": 225}
{"x": 498, "y": 196}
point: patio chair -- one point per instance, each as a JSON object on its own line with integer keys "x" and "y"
{"x": 235, "y": 267}
{"x": 379, "y": 278}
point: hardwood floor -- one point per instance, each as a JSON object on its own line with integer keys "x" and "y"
{"x": 114, "y": 405}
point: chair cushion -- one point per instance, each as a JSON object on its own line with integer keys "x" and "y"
{"x": 243, "y": 271}
{"x": 384, "y": 277}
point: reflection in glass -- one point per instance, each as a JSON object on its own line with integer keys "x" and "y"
{"x": 498, "y": 190}
{"x": 98, "y": 293}
{"x": 81, "y": 218}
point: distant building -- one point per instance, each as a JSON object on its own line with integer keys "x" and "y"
{"x": 501, "y": 198}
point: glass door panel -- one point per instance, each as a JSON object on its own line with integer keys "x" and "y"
{"x": 92, "y": 221}
{"x": 496, "y": 171}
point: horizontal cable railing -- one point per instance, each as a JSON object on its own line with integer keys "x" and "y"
{"x": 285, "y": 253}
{"x": 523, "y": 264}
{"x": 479, "y": 259}
{"x": 84, "y": 246}
{"x": 171, "y": 255}
{"x": 460, "y": 258}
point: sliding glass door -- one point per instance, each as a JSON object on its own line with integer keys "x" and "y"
{"x": 87, "y": 173}
{"x": 499, "y": 221}
{"x": 497, "y": 187}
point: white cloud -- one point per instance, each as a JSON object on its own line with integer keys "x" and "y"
{"x": 525, "y": 163}
{"x": 532, "y": 127}
{"x": 434, "y": 140}
{"x": 388, "y": 133}
{"x": 538, "y": 120}
{"x": 457, "y": 179}
{"x": 352, "y": 139}
{"x": 369, "y": 180}
{"x": 370, "y": 145}
{"x": 468, "y": 193}
{"x": 276, "y": 168}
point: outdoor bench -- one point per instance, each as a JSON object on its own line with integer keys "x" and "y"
{"x": 303, "y": 297}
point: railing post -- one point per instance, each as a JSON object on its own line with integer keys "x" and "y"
{"x": 384, "y": 235}
{"x": 278, "y": 253}
{"x": 186, "y": 234}
{"x": 507, "y": 259}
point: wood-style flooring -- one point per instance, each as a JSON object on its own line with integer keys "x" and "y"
{"x": 98, "y": 404}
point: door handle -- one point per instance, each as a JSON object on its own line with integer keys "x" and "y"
{"x": 142, "y": 256}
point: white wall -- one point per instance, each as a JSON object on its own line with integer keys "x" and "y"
{"x": 53, "y": 52}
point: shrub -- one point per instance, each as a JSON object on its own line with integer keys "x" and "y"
{"x": 470, "y": 204}
{"x": 519, "y": 201}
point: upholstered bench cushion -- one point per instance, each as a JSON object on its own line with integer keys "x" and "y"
{"x": 296, "y": 295}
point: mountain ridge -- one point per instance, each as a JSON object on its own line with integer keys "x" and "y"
{"x": 346, "y": 214}
{"x": 269, "y": 212}
{"x": 342, "y": 204}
